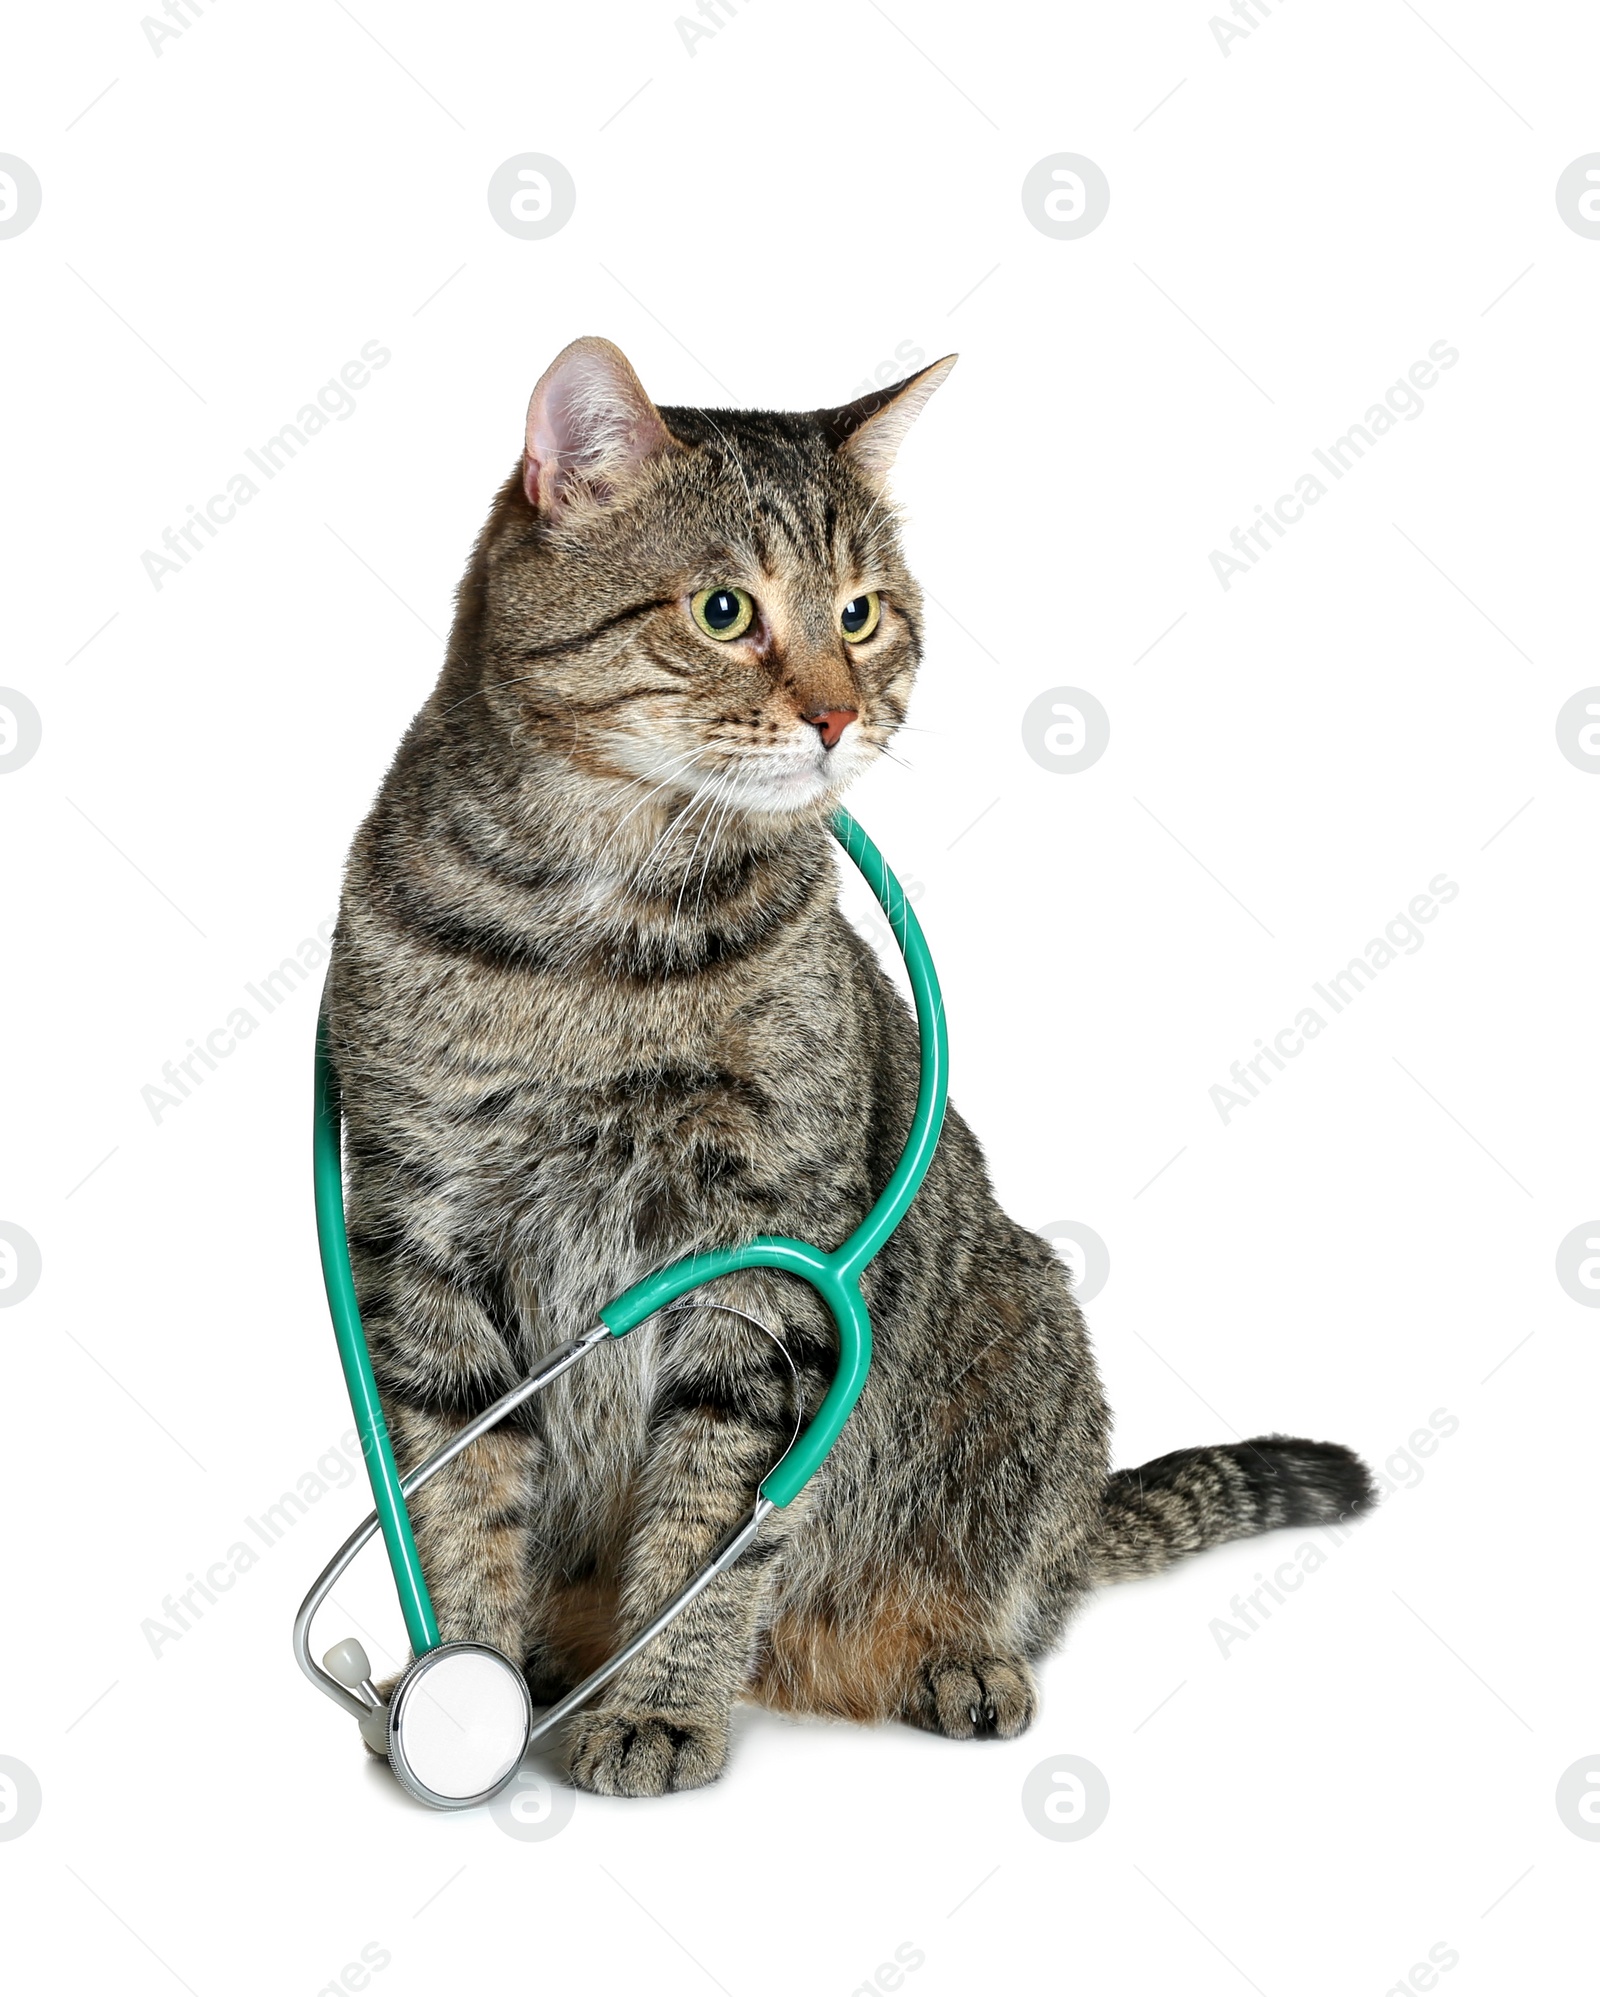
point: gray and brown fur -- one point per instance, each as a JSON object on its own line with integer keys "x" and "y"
{"x": 589, "y": 1017}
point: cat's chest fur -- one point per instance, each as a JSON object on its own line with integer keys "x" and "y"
{"x": 599, "y": 1127}
{"x": 564, "y": 1091}
{"x": 623, "y": 1125}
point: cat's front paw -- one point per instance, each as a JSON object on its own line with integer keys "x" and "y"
{"x": 974, "y": 1698}
{"x": 621, "y": 1753}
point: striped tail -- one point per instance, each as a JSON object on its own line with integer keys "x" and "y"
{"x": 1197, "y": 1498}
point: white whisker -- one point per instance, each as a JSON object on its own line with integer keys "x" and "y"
{"x": 742, "y": 786}
{"x": 675, "y": 764}
{"x": 670, "y": 831}
{"x": 689, "y": 863}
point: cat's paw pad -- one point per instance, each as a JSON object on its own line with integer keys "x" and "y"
{"x": 974, "y": 1698}
{"x": 643, "y": 1754}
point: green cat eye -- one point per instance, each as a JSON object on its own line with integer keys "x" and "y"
{"x": 723, "y": 612}
{"x": 859, "y": 617}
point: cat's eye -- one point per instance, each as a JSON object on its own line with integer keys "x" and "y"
{"x": 723, "y": 612}
{"x": 859, "y": 617}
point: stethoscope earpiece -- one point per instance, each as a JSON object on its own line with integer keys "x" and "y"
{"x": 347, "y": 1661}
{"x": 457, "y": 1725}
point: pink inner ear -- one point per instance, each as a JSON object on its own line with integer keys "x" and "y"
{"x": 589, "y": 418}
{"x": 552, "y": 430}
{"x": 539, "y": 477}
{"x": 549, "y": 427}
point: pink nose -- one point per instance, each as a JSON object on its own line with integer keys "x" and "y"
{"x": 830, "y": 723}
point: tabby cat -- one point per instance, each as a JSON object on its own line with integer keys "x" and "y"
{"x": 594, "y": 1007}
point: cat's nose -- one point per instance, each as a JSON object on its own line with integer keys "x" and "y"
{"x": 830, "y": 723}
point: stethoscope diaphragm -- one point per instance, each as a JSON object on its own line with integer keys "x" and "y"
{"x": 458, "y": 1725}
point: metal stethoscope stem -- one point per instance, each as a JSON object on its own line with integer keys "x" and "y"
{"x": 549, "y": 1368}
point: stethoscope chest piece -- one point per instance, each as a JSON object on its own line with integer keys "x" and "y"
{"x": 458, "y": 1725}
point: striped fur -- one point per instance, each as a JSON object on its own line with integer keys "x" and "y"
{"x": 593, "y": 1007}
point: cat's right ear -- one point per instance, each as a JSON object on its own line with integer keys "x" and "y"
{"x": 869, "y": 432}
{"x": 590, "y": 427}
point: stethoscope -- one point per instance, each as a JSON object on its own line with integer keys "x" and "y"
{"x": 460, "y": 1718}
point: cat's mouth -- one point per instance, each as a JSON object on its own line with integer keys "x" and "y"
{"x": 723, "y": 782}
{"x": 784, "y": 781}
{"x": 787, "y": 780}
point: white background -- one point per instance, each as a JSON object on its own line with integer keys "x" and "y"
{"x": 1370, "y": 1773}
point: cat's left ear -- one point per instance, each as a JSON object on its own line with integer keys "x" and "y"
{"x": 868, "y": 433}
{"x": 590, "y": 427}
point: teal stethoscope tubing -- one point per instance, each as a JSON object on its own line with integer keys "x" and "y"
{"x": 835, "y": 1276}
